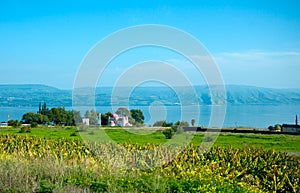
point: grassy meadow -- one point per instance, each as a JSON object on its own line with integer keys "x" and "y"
{"x": 281, "y": 143}
{"x": 61, "y": 159}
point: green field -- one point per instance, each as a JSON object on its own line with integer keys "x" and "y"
{"x": 282, "y": 143}
{"x": 137, "y": 160}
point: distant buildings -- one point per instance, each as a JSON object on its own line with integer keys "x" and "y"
{"x": 3, "y": 124}
{"x": 291, "y": 127}
{"x": 86, "y": 121}
{"x": 113, "y": 120}
{"x": 116, "y": 120}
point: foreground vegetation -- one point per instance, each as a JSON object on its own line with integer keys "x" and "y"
{"x": 56, "y": 160}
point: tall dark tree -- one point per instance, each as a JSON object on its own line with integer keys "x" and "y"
{"x": 40, "y": 108}
{"x": 137, "y": 115}
{"x": 104, "y": 118}
{"x": 44, "y": 110}
{"x": 87, "y": 114}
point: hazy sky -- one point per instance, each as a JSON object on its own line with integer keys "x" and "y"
{"x": 254, "y": 42}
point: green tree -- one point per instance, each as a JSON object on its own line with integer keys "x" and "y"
{"x": 182, "y": 123}
{"x": 104, "y": 118}
{"x": 76, "y": 117}
{"x": 14, "y": 123}
{"x": 87, "y": 114}
{"x": 34, "y": 117}
{"x": 70, "y": 118}
{"x": 138, "y": 116}
{"x": 168, "y": 133}
{"x": 178, "y": 126}
{"x": 44, "y": 110}
{"x": 33, "y": 124}
{"x": 59, "y": 116}
{"x": 93, "y": 117}
{"x": 162, "y": 123}
{"x": 123, "y": 112}
{"x": 271, "y": 128}
{"x": 277, "y": 127}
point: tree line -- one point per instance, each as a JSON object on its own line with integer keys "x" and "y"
{"x": 55, "y": 116}
{"x": 61, "y": 116}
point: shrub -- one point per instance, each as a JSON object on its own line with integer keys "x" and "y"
{"x": 14, "y": 123}
{"x": 82, "y": 127}
{"x": 25, "y": 129}
{"x": 33, "y": 124}
{"x": 177, "y": 129}
{"x": 168, "y": 133}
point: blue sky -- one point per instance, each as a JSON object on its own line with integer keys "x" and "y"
{"x": 253, "y": 42}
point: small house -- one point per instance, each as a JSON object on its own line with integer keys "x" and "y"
{"x": 86, "y": 121}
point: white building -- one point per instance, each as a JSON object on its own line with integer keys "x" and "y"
{"x": 3, "y": 124}
{"x": 86, "y": 121}
{"x": 116, "y": 120}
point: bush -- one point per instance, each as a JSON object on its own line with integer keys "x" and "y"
{"x": 14, "y": 123}
{"x": 73, "y": 134}
{"x": 33, "y": 124}
{"x": 25, "y": 129}
{"x": 82, "y": 127}
{"x": 168, "y": 133}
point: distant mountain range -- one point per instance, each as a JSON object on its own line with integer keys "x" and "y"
{"x": 32, "y": 94}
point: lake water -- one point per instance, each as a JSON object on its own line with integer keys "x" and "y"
{"x": 258, "y": 116}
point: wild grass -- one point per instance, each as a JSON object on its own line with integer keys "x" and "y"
{"x": 34, "y": 164}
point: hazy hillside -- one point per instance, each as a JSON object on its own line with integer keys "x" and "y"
{"x": 31, "y": 95}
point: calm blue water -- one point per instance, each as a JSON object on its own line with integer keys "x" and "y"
{"x": 259, "y": 116}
